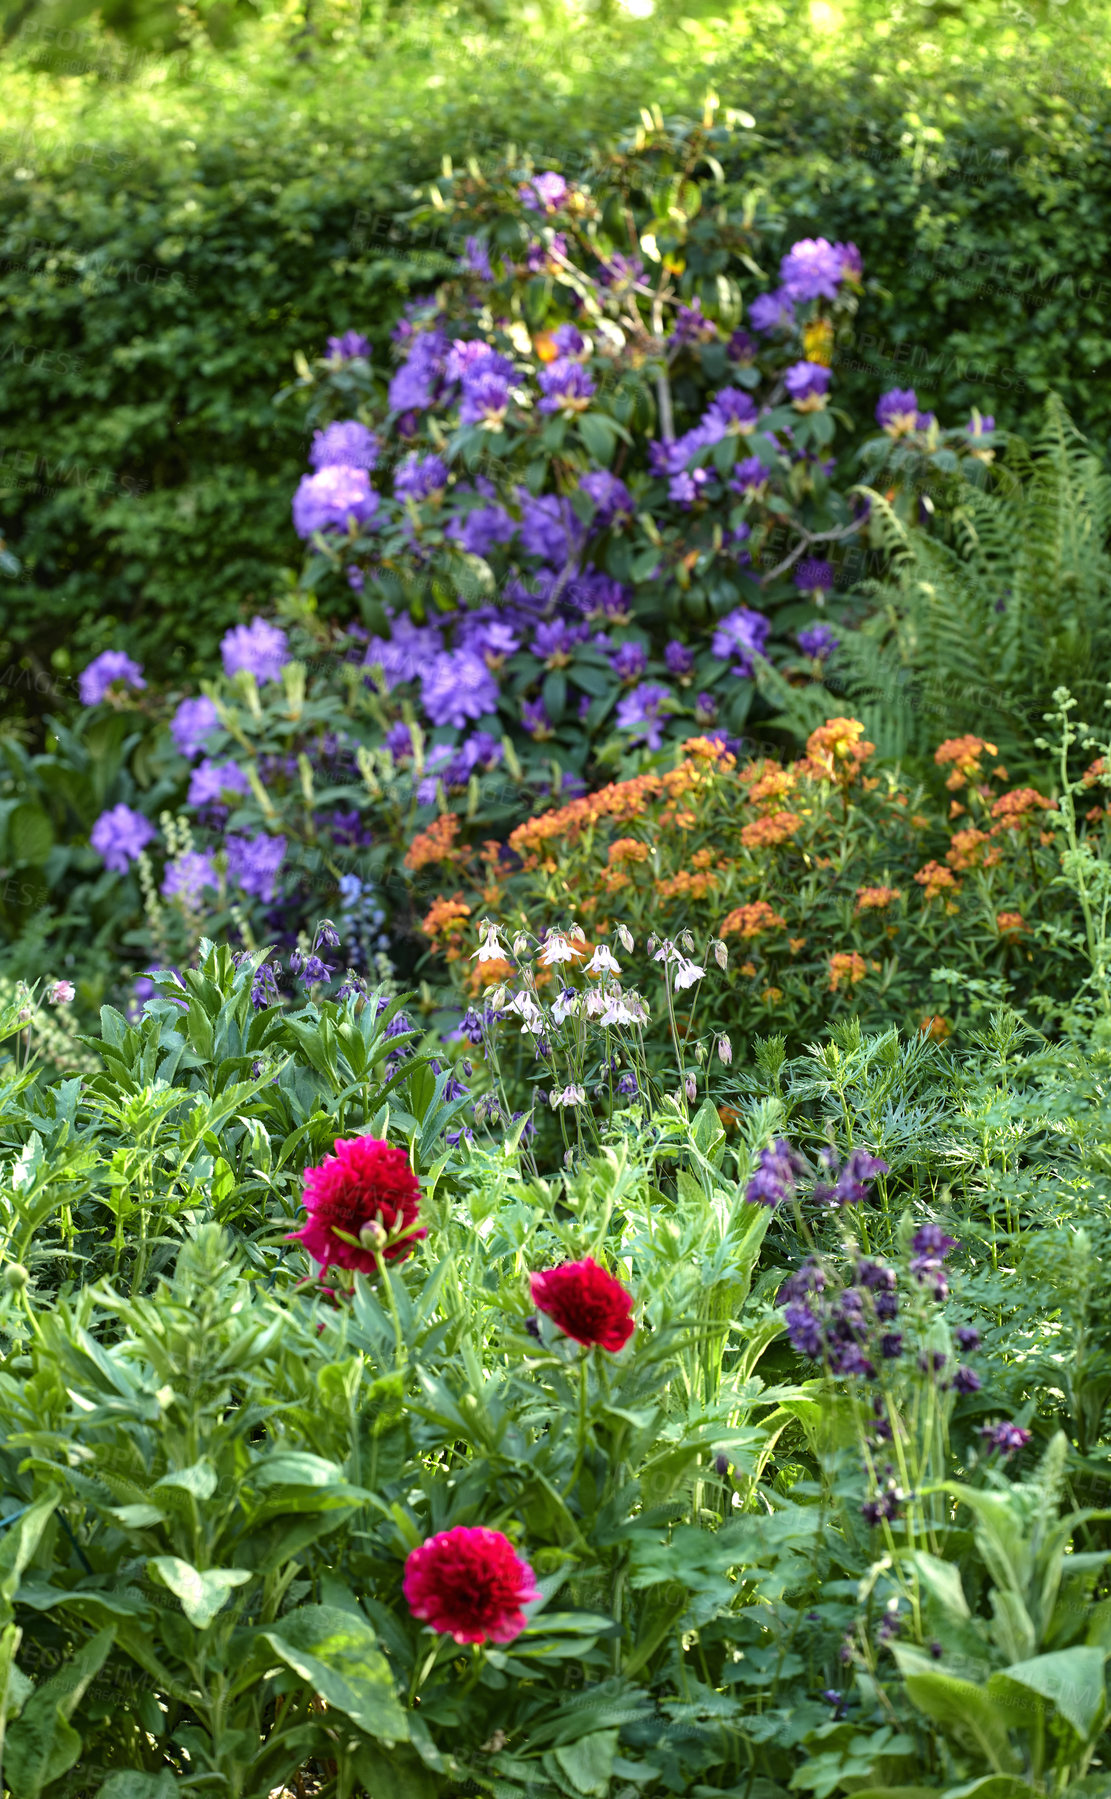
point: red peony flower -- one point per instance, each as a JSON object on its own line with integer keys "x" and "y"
{"x": 366, "y": 1183}
{"x": 470, "y": 1584}
{"x": 586, "y": 1303}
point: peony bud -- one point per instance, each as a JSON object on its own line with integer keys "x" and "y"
{"x": 725, "y": 1051}
{"x": 16, "y": 1277}
{"x": 373, "y": 1234}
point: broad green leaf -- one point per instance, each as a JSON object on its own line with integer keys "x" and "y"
{"x": 18, "y": 1543}
{"x": 975, "y": 1720}
{"x": 338, "y": 1655}
{"x": 30, "y": 835}
{"x": 201, "y": 1595}
{"x": 588, "y": 1764}
{"x": 42, "y": 1745}
{"x": 200, "y": 1480}
{"x": 942, "y": 1580}
{"x": 1071, "y": 1679}
{"x": 134, "y": 1785}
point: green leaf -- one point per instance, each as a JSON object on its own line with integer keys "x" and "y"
{"x": 599, "y": 434}
{"x": 338, "y": 1655}
{"x": 1071, "y": 1679}
{"x": 18, "y": 1544}
{"x": 399, "y": 1775}
{"x": 134, "y": 1785}
{"x": 201, "y": 1595}
{"x": 943, "y": 1581}
{"x": 42, "y": 1745}
{"x": 30, "y": 834}
{"x": 296, "y": 1468}
{"x": 975, "y": 1720}
{"x": 588, "y": 1764}
{"x": 200, "y": 1480}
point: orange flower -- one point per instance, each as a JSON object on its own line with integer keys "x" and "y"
{"x": 1096, "y": 771}
{"x": 964, "y": 753}
{"x": 876, "y": 899}
{"x": 935, "y": 1027}
{"x": 685, "y": 885}
{"x": 627, "y": 849}
{"x": 1011, "y": 808}
{"x": 766, "y": 780}
{"x": 444, "y": 916}
{"x": 709, "y": 749}
{"x": 436, "y": 844}
{"x": 749, "y": 921}
{"x": 937, "y": 879}
{"x": 702, "y": 859}
{"x": 489, "y": 974}
{"x": 771, "y": 996}
{"x": 834, "y": 752}
{"x": 1009, "y": 924}
{"x": 730, "y": 1117}
{"x": 794, "y": 944}
{"x": 967, "y": 850}
{"x": 748, "y": 968}
{"x": 765, "y": 833}
{"x": 846, "y": 966}
{"x": 545, "y": 346}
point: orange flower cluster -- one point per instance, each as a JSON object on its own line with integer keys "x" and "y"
{"x": 436, "y": 844}
{"x": 1009, "y": 924}
{"x": 937, "y": 879}
{"x": 835, "y": 752}
{"x": 935, "y": 1027}
{"x": 964, "y": 753}
{"x": 1011, "y": 808}
{"x": 765, "y": 833}
{"x": 966, "y": 850}
{"x": 627, "y": 849}
{"x": 687, "y": 884}
{"x": 749, "y": 921}
{"x": 767, "y": 780}
{"x": 444, "y": 916}
{"x": 876, "y": 899}
{"x": 848, "y": 967}
{"x": 624, "y": 799}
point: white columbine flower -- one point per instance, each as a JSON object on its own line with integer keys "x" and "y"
{"x": 490, "y": 949}
{"x": 686, "y": 973}
{"x": 603, "y": 961}
{"x": 557, "y": 949}
{"x": 532, "y": 1018}
{"x": 566, "y": 1005}
{"x": 572, "y": 1096}
{"x": 625, "y": 938}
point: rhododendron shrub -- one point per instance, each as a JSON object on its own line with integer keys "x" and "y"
{"x": 820, "y": 886}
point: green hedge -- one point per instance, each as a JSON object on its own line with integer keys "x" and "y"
{"x": 160, "y": 266}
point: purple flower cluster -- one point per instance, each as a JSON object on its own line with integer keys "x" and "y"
{"x": 931, "y": 1246}
{"x": 777, "y": 1170}
{"x": 260, "y": 648}
{"x": 852, "y": 1180}
{"x": 103, "y": 672}
{"x": 740, "y": 637}
{"x": 119, "y": 836}
{"x": 850, "y": 1329}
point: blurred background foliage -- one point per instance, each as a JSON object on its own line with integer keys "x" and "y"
{"x": 190, "y": 195}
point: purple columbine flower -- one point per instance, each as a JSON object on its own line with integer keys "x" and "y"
{"x": 853, "y": 1181}
{"x": 253, "y": 863}
{"x": 192, "y": 724}
{"x": 740, "y": 637}
{"x": 897, "y": 410}
{"x": 334, "y": 499}
{"x": 260, "y": 647}
{"x": 119, "y": 836}
{"x": 630, "y": 661}
{"x": 458, "y": 686}
{"x": 812, "y": 269}
{"x": 211, "y": 782}
{"x": 627, "y": 1085}
{"x": 348, "y": 346}
{"x": 346, "y": 444}
{"x": 610, "y": 497}
{"x": 807, "y": 383}
{"x": 1005, "y": 1438}
{"x": 544, "y": 193}
{"x": 773, "y": 1181}
{"x": 968, "y": 1338}
{"x": 110, "y": 666}
{"x": 640, "y": 712}
{"x": 188, "y": 875}
{"x": 966, "y": 1380}
{"x": 419, "y": 477}
{"x": 803, "y": 1330}
{"x": 818, "y": 641}
{"x": 566, "y": 385}
{"x": 485, "y": 401}
{"x": 772, "y": 312}
{"x": 891, "y": 1345}
{"x": 678, "y": 660}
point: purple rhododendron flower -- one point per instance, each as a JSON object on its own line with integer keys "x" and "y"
{"x": 639, "y": 712}
{"x": 749, "y": 475}
{"x": 812, "y": 269}
{"x": 399, "y": 740}
{"x": 629, "y": 661}
{"x": 852, "y": 266}
{"x": 119, "y": 836}
{"x": 253, "y": 863}
{"x": 472, "y": 357}
{"x": 609, "y": 495}
{"x": 770, "y": 312}
{"x": 475, "y": 259}
{"x": 544, "y": 193}
{"x": 773, "y": 1180}
{"x": 491, "y": 638}
{"x": 741, "y": 347}
{"x": 345, "y": 443}
{"x": 418, "y": 477}
{"x": 740, "y": 637}
{"x": 351, "y": 344}
{"x": 261, "y": 647}
{"x": 566, "y": 385}
{"x": 534, "y": 717}
{"x": 111, "y": 665}
{"x": 192, "y": 723}
{"x": 538, "y": 256}
{"x": 406, "y": 652}
{"x": 334, "y": 499}
{"x": 485, "y": 400}
{"x": 818, "y": 641}
{"x": 555, "y": 641}
{"x": 733, "y": 410}
{"x": 678, "y": 660}
{"x": 549, "y": 529}
{"x": 481, "y": 528}
{"x": 692, "y": 326}
{"x": 897, "y": 409}
{"x": 814, "y": 575}
{"x": 457, "y": 687}
{"x": 188, "y": 874}
{"x": 807, "y": 382}
{"x": 619, "y": 272}
{"x": 211, "y": 781}
{"x": 416, "y": 383}
{"x": 568, "y": 340}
